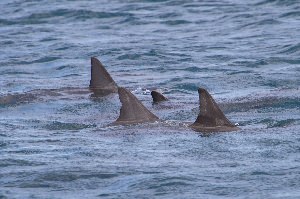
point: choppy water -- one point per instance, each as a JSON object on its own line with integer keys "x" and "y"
{"x": 58, "y": 144}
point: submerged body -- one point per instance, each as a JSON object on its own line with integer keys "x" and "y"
{"x": 101, "y": 84}
{"x": 210, "y": 117}
{"x": 132, "y": 110}
{"x": 40, "y": 94}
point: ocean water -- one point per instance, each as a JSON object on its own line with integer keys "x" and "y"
{"x": 56, "y": 143}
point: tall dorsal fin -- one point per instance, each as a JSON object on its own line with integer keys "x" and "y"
{"x": 157, "y": 96}
{"x": 210, "y": 114}
{"x": 132, "y": 110}
{"x": 100, "y": 78}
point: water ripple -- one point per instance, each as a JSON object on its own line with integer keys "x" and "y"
{"x": 67, "y": 126}
{"x": 45, "y": 17}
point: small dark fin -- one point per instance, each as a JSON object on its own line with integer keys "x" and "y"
{"x": 100, "y": 78}
{"x": 210, "y": 114}
{"x": 132, "y": 110}
{"x": 157, "y": 96}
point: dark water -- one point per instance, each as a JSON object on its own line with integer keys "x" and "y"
{"x": 58, "y": 143}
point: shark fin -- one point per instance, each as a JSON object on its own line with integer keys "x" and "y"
{"x": 211, "y": 118}
{"x": 100, "y": 78}
{"x": 132, "y": 110}
{"x": 157, "y": 96}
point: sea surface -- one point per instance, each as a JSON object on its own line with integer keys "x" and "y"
{"x": 56, "y": 143}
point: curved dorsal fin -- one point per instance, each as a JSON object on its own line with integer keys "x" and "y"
{"x": 157, "y": 96}
{"x": 132, "y": 110}
{"x": 100, "y": 78}
{"x": 210, "y": 114}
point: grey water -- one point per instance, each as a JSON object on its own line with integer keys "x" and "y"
{"x": 59, "y": 144}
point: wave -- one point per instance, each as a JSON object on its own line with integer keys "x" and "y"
{"x": 67, "y": 126}
{"x": 291, "y": 14}
{"x": 18, "y": 162}
{"x": 278, "y": 2}
{"x": 291, "y": 49}
{"x": 176, "y": 22}
{"x": 281, "y": 123}
{"x": 46, "y": 17}
{"x": 244, "y": 105}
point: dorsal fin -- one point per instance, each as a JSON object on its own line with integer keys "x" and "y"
{"x": 100, "y": 78}
{"x": 157, "y": 96}
{"x": 210, "y": 114}
{"x": 132, "y": 110}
